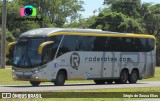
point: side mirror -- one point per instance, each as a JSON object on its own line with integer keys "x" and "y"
{"x": 10, "y": 52}
{"x": 10, "y": 47}
{"x": 42, "y": 46}
{"x": 43, "y": 50}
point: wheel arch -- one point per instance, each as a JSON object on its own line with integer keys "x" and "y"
{"x": 125, "y": 69}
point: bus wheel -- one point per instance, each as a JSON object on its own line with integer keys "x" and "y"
{"x": 99, "y": 81}
{"x": 60, "y": 80}
{"x": 109, "y": 81}
{"x": 123, "y": 77}
{"x": 133, "y": 77}
{"x": 35, "y": 83}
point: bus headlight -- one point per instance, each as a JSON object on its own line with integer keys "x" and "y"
{"x": 37, "y": 77}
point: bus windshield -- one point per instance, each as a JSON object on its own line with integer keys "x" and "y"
{"x": 26, "y": 52}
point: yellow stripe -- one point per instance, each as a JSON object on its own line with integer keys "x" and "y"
{"x": 76, "y": 79}
{"x": 42, "y": 46}
{"x": 42, "y": 80}
{"x": 107, "y": 35}
{"x": 10, "y": 45}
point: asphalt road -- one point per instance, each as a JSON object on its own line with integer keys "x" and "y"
{"x": 29, "y": 88}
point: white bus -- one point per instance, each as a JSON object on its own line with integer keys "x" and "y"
{"x": 59, "y": 54}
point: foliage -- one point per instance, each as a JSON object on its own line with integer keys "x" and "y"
{"x": 130, "y": 8}
{"x": 118, "y": 22}
{"x": 82, "y": 23}
{"x": 56, "y": 11}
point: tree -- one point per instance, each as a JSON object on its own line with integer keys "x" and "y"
{"x": 118, "y": 22}
{"x": 152, "y": 18}
{"x": 13, "y": 12}
{"x": 82, "y": 22}
{"x": 57, "y": 11}
{"x": 129, "y": 8}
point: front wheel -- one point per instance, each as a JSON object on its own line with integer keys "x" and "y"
{"x": 35, "y": 83}
{"x": 133, "y": 77}
{"x": 60, "y": 80}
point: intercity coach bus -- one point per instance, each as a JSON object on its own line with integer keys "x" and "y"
{"x": 59, "y": 54}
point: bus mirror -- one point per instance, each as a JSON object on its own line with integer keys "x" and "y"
{"x": 10, "y": 52}
{"x": 40, "y": 48}
{"x": 10, "y": 47}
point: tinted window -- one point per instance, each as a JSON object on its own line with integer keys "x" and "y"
{"x": 150, "y": 44}
{"x": 69, "y": 44}
{"x": 108, "y": 44}
{"x": 123, "y": 44}
{"x": 99, "y": 44}
{"x": 113, "y": 44}
{"x": 56, "y": 39}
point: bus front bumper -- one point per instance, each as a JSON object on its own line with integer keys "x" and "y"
{"x": 27, "y": 76}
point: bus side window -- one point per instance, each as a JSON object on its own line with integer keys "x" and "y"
{"x": 68, "y": 44}
{"x": 143, "y": 45}
{"x": 150, "y": 45}
{"x": 100, "y": 43}
{"x": 114, "y": 44}
{"x": 85, "y": 43}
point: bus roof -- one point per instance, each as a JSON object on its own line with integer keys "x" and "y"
{"x": 46, "y": 32}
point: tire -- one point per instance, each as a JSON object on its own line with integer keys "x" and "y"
{"x": 109, "y": 81}
{"x": 99, "y": 82}
{"x": 35, "y": 83}
{"x": 133, "y": 77}
{"x": 123, "y": 77}
{"x": 60, "y": 79}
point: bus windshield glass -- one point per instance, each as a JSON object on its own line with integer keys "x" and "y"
{"x": 26, "y": 52}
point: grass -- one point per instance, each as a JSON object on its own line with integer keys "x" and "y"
{"x": 156, "y": 77}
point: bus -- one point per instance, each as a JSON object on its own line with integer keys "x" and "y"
{"x": 60, "y": 54}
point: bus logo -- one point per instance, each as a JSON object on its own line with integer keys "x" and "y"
{"x": 75, "y": 60}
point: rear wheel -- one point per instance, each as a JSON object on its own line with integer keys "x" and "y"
{"x": 60, "y": 80}
{"x": 35, "y": 83}
{"x": 133, "y": 77}
{"x": 123, "y": 77}
{"x": 99, "y": 81}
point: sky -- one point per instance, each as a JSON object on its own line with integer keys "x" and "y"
{"x": 91, "y": 5}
